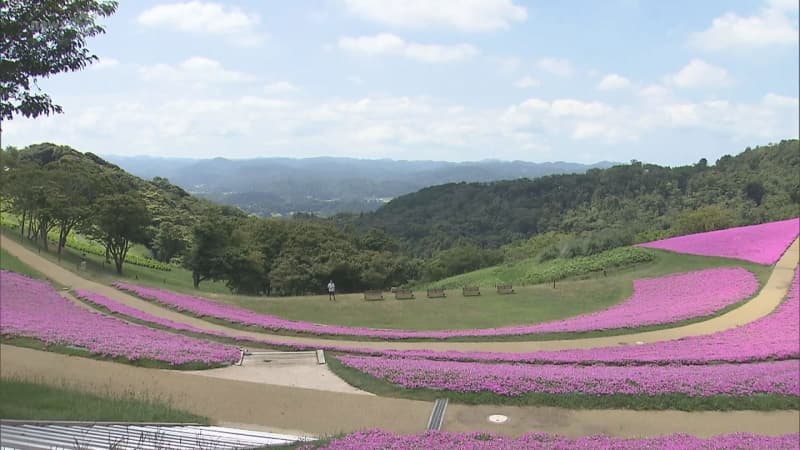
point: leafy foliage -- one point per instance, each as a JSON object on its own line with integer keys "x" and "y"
{"x": 635, "y": 201}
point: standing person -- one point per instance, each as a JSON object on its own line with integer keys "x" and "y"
{"x": 331, "y": 291}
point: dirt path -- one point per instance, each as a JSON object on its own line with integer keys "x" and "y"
{"x": 304, "y": 411}
{"x": 766, "y": 301}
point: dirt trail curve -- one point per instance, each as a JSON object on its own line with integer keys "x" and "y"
{"x": 766, "y": 301}
{"x": 305, "y": 411}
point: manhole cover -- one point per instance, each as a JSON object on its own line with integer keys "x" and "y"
{"x": 498, "y": 418}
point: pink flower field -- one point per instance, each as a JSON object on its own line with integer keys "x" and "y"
{"x": 782, "y": 377}
{"x": 33, "y": 309}
{"x": 762, "y": 244}
{"x": 774, "y": 337}
{"x": 655, "y": 301}
{"x": 379, "y": 439}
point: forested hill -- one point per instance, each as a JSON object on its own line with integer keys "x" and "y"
{"x": 624, "y": 203}
{"x": 325, "y": 186}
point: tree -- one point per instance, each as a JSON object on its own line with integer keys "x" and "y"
{"x": 206, "y": 256}
{"x": 42, "y": 38}
{"x": 120, "y": 220}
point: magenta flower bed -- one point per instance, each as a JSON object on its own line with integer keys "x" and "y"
{"x": 655, "y": 301}
{"x": 763, "y": 244}
{"x": 782, "y": 377}
{"x": 33, "y": 309}
{"x": 379, "y": 439}
{"x": 776, "y": 336}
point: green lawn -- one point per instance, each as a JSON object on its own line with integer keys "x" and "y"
{"x": 531, "y": 304}
{"x": 26, "y": 400}
{"x": 12, "y": 263}
{"x": 681, "y": 402}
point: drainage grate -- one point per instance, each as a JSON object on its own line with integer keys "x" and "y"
{"x": 437, "y": 415}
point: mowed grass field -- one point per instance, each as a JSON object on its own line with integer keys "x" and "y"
{"x": 28, "y": 400}
{"x": 529, "y": 305}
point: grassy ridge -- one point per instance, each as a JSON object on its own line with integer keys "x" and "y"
{"x": 27, "y": 400}
{"x": 681, "y": 402}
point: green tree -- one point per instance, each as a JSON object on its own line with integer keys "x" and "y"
{"x": 209, "y": 245}
{"x": 118, "y": 222}
{"x": 42, "y": 38}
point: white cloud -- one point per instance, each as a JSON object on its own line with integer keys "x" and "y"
{"x": 775, "y": 24}
{"x": 280, "y": 87}
{"x": 780, "y": 101}
{"x": 699, "y": 73}
{"x": 612, "y": 82}
{"x": 526, "y": 82}
{"x": 105, "y": 63}
{"x": 571, "y": 107}
{"x": 556, "y": 66}
{"x": 197, "y": 70}
{"x": 235, "y": 25}
{"x": 465, "y": 15}
{"x": 390, "y": 44}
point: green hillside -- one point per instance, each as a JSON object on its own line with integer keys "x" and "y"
{"x": 606, "y": 207}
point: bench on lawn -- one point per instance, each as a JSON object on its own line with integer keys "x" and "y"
{"x": 373, "y": 295}
{"x": 505, "y": 289}
{"x": 436, "y": 293}
{"x": 471, "y": 291}
{"x": 403, "y": 294}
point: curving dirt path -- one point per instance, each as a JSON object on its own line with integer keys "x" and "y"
{"x": 762, "y": 304}
{"x": 305, "y": 411}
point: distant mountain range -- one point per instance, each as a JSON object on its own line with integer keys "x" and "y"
{"x": 325, "y": 185}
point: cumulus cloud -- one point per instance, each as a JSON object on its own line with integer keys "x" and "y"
{"x": 556, "y": 66}
{"x": 280, "y": 87}
{"x": 612, "y": 82}
{"x": 231, "y": 23}
{"x": 699, "y": 73}
{"x": 464, "y": 15}
{"x": 526, "y": 82}
{"x": 197, "y": 70}
{"x": 775, "y": 24}
{"x": 390, "y": 44}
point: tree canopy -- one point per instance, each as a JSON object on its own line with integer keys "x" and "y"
{"x": 39, "y": 39}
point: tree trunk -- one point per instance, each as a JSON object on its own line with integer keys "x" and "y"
{"x": 196, "y": 279}
{"x": 22, "y": 224}
{"x": 43, "y": 233}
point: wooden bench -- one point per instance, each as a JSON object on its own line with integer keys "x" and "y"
{"x": 403, "y": 294}
{"x": 472, "y": 291}
{"x": 373, "y": 295}
{"x": 505, "y": 289}
{"x": 436, "y": 293}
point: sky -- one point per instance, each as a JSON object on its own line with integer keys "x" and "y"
{"x": 667, "y": 82}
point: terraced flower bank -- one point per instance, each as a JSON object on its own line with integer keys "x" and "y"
{"x": 737, "y": 380}
{"x": 379, "y": 439}
{"x": 33, "y": 309}
{"x": 762, "y": 244}
{"x": 773, "y": 337}
{"x": 655, "y": 301}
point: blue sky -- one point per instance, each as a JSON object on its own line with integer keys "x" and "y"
{"x": 668, "y": 82}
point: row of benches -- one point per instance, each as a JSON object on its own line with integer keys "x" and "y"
{"x": 407, "y": 294}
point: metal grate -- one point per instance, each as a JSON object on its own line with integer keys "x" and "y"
{"x": 437, "y": 415}
{"x": 122, "y": 436}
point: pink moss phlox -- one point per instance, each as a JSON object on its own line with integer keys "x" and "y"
{"x": 32, "y": 308}
{"x": 654, "y": 301}
{"x": 762, "y": 244}
{"x": 442, "y": 440}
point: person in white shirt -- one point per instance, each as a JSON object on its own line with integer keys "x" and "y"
{"x": 331, "y": 291}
